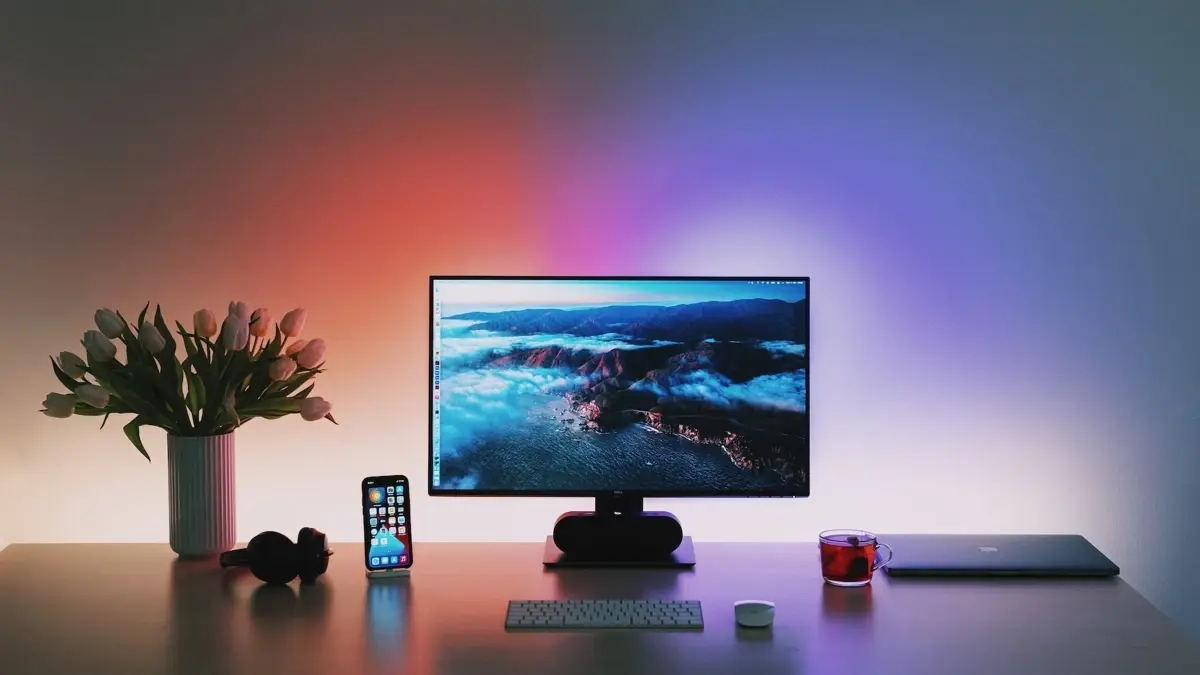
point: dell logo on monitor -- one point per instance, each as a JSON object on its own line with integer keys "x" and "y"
{"x": 988, "y": 549}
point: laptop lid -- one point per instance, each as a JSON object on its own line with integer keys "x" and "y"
{"x": 1026, "y": 555}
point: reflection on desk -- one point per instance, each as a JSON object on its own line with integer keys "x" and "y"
{"x": 135, "y": 609}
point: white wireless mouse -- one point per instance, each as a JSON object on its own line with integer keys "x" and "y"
{"x": 754, "y": 613}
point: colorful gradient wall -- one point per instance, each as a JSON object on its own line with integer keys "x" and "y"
{"x": 996, "y": 205}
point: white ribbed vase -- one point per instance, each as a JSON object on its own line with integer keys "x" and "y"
{"x": 202, "y": 495}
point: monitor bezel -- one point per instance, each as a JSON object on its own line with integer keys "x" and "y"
{"x": 802, "y": 491}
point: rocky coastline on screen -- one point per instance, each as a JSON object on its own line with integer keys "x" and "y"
{"x": 622, "y": 387}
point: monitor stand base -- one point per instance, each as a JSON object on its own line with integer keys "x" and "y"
{"x": 683, "y": 557}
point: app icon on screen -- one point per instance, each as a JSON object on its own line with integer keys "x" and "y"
{"x": 374, "y": 542}
{"x": 403, "y": 558}
{"x": 395, "y": 559}
{"x": 390, "y": 490}
{"x": 374, "y": 531}
{"x": 399, "y": 489}
{"x": 400, "y": 519}
{"x": 373, "y": 510}
{"x": 401, "y": 530}
{"x": 375, "y": 495}
{"x": 399, "y": 500}
{"x": 374, "y": 561}
{"x": 391, "y": 500}
{"x": 391, "y": 509}
{"x": 374, "y": 522}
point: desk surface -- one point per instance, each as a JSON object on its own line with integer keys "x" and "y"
{"x": 133, "y": 609}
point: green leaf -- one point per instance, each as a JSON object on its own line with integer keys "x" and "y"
{"x": 85, "y": 410}
{"x": 133, "y": 431}
{"x": 142, "y": 316}
{"x": 329, "y": 416}
{"x": 134, "y": 353}
{"x": 171, "y": 380}
{"x": 169, "y": 352}
{"x": 196, "y": 358}
{"x": 233, "y": 372}
{"x": 105, "y": 420}
{"x": 63, "y": 377}
{"x": 285, "y": 406}
{"x": 195, "y": 392}
{"x": 189, "y": 344}
{"x": 117, "y": 406}
{"x": 120, "y": 384}
{"x": 295, "y": 382}
{"x": 303, "y": 394}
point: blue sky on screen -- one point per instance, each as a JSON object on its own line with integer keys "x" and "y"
{"x": 493, "y": 295}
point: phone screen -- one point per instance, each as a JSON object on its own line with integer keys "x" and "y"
{"x": 387, "y": 529}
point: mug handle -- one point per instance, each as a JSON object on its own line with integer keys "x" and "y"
{"x": 882, "y": 561}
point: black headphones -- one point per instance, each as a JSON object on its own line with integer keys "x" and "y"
{"x": 273, "y": 558}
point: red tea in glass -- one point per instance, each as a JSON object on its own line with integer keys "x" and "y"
{"x": 850, "y": 557}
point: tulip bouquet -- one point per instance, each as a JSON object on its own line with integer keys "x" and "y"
{"x": 248, "y": 367}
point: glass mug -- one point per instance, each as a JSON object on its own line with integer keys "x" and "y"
{"x": 850, "y": 557}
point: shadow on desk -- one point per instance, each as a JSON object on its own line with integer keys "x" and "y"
{"x": 201, "y": 622}
{"x": 389, "y": 616}
{"x": 212, "y": 614}
{"x": 616, "y": 584}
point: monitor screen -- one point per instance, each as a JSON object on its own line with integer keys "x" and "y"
{"x": 644, "y": 386}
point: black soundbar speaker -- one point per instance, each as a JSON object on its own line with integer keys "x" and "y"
{"x": 647, "y": 535}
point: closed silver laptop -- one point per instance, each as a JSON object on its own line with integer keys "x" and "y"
{"x": 1021, "y": 555}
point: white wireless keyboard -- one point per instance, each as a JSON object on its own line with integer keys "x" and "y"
{"x": 591, "y": 614}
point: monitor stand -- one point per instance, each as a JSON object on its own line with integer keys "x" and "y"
{"x": 618, "y": 533}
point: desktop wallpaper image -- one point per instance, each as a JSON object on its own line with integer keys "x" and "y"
{"x": 668, "y": 386}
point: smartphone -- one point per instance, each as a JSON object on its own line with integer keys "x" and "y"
{"x": 387, "y": 527}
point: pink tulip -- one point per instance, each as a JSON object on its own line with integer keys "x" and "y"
{"x": 60, "y": 406}
{"x": 312, "y": 355}
{"x": 260, "y": 322}
{"x": 315, "y": 408}
{"x": 239, "y": 308}
{"x": 281, "y": 369}
{"x": 98, "y": 346}
{"x": 293, "y": 322}
{"x": 295, "y": 347}
{"x": 204, "y": 323}
{"x": 235, "y": 332}
{"x": 71, "y": 364}
{"x": 93, "y": 395}
{"x": 151, "y": 339}
{"x": 110, "y": 323}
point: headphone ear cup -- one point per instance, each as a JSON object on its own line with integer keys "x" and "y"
{"x": 310, "y": 551}
{"x": 273, "y": 558}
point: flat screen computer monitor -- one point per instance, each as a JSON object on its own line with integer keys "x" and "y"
{"x": 638, "y": 387}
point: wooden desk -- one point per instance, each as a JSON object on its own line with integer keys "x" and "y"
{"x": 132, "y": 609}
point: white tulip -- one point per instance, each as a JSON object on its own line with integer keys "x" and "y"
{"x": 60, "y": 406}
{"x": 204, "y": 323}
{"x": 293, "y": 322}
{"x": 312, "y": 355}
{"x": 98, "y": 346}
{"x": 281, "y": 369}
{"x": 260, "y": 322}
{"x": 315, "y": 408}
{"x": 151, "y": 339}
{"x": 239, "y": 308}
{"x": 295, "y": 347}
{"x": 71, "y": 364}
{"x": 235, "y": 332}
{"x": 110, "y": 323}
{"x": 93, "y": 395}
